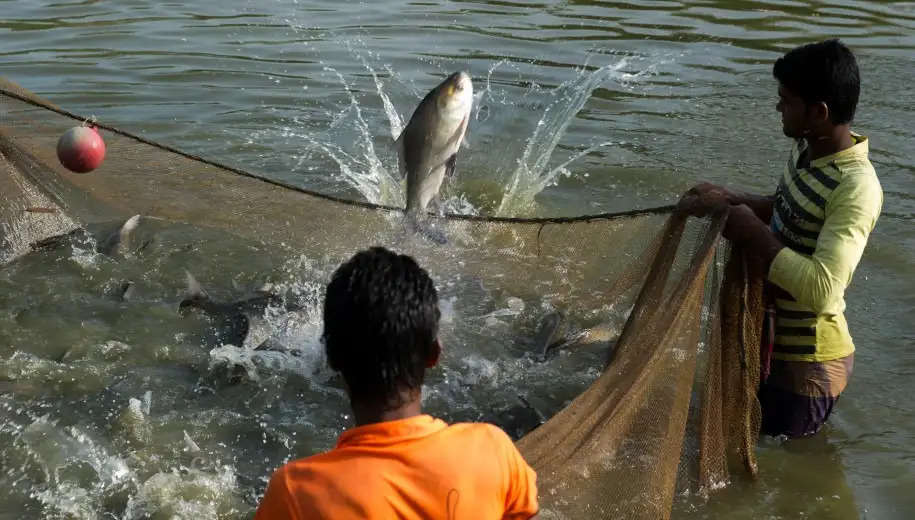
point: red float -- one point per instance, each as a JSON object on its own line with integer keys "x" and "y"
{"x": 81, "y": 149}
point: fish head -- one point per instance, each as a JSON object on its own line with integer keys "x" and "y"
{"x": 456, "y": 93}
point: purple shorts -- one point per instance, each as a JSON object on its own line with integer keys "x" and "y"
{"x": 798, "y": 396}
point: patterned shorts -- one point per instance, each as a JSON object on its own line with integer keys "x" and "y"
{"x": 798, "y": 396}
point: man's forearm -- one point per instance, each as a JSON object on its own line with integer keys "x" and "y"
{"x": 760, "y": 204}
{"x": 764, "y": 245}
{"x": 747, "y": 230}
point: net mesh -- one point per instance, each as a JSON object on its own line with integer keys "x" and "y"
{"x": 674, "y": 409}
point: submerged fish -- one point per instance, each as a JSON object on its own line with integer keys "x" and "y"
{"x": 553, "y": 334}
{"x": 122, "y": 241}
{"x": 429, "y": 144}
{"x": 517, "y": 420}
{"x": 232, "y": 320}
{"x": 118, "y": 243}
{"x": 120, "y": 290}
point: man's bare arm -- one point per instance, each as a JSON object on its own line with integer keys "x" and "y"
{"x": 705, "y": 198}
{"x": 762, "y": 205}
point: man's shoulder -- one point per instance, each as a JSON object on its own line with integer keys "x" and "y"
{"x": 859, "y": 180}
{"x": 854, "y": 164}
{"x": 859, "y": 190}
{"x": 483, "y": 438}
{"x": 306, "y": 468}
{"x": 483, "y": 431}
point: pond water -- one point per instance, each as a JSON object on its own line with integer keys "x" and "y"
{"x": 580, "y": 107}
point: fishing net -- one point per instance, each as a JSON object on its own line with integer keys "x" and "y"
{"x": 673, "y": 411}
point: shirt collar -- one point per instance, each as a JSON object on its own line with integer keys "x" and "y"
{"x": 391, "y": 432}
{"x": 859, "y": 149}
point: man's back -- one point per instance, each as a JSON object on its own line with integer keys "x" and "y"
{"x": 410, "y": 468}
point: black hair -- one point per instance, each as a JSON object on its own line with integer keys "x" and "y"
{"x": 822, "y": 72}
{"x": 380, "y": 325}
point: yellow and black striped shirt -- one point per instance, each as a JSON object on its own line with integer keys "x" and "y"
{"x": 823, "y": 214}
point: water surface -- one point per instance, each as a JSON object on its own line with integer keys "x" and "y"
{"x": 583, "y": 107}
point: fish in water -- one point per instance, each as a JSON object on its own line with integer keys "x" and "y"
{"x": 516, "y": 420}
{"x": 233, "y": 321}
{"x": 429, "y": 144}
{"x": 120, "y": 290}
{"x": 123, "y": 240}
{"x": 118, "y": 243}
{"x": 554, "y": 334}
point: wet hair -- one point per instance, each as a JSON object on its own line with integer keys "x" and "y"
{"x": 380, "y": 325}
{"x": 824, "y": 72}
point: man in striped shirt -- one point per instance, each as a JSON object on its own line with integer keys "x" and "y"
{"x": 811, "y": 234}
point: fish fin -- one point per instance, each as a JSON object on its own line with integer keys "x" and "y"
{"x": 547, "y": 331}
{"x": 126, "y": 290}
{"x": 189, "y": 444}
{"x": 125, "y": 233}
{"x": 195, "y": 291}
{"x": 130, "y": 225}
{"x": 449, "y": 165}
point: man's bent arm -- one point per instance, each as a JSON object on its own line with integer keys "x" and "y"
{"x": 819, "y": 281}
{"x": 760, "y": 204}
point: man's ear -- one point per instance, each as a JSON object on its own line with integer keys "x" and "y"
{"x": 820, "y": 112}
{"x": 434, "y": 354}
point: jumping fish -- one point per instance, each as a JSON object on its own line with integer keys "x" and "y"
{"x": 429, "y": 144}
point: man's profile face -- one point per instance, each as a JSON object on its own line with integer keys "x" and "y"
{"x": 794, "y": 113}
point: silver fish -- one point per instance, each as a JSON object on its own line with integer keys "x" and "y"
{"x": 122, "y": 241}
{"x": 429, "y": 144}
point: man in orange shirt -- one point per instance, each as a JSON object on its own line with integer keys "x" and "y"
{"x": 381, "y": 332}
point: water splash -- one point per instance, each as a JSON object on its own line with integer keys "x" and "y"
{"x": 186, "y": 494}
{"x": 362, "y": 168}
{"x": 533, "y": 174}
{"x": 533, "y": 169}
{"x": 78, "y": 473}
{"x": 293, "y": 336}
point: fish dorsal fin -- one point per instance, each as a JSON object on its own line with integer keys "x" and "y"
{"x": 194, "y": 289}
{"x": 450, "y": 165}
{"x": 125, "y": 232}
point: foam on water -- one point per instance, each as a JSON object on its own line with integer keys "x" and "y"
{"x": 79, "y": 474}
{"x": 186, "y": 494}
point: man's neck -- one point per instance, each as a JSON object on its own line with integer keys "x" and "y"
{"x": 372, "y": 413}
{"x": 837, "y": 139}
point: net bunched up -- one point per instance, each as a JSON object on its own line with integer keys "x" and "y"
{"x": 674, "y": 409}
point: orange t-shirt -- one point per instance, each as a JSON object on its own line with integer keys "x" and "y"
{"x": 418, "y": 467}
